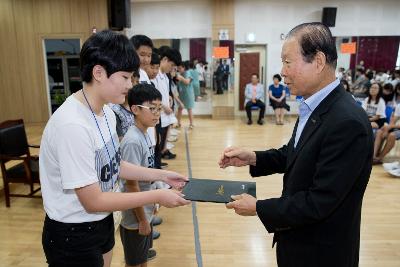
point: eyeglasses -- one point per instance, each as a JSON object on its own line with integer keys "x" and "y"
{"x": 153, "y": 110}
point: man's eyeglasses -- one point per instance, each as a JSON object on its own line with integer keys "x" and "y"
{"x": 153, "y": 110}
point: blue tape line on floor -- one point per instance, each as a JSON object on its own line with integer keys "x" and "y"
{"x": 194, "y": 209}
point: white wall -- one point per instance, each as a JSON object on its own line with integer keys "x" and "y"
{"x": 343, "y": 59}
{"x": 269, "y": 18}
{"x": 171, "y": 19}
{"x": 184, "y": 48}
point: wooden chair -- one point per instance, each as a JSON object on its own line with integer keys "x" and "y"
{"x": 14, "y": 147}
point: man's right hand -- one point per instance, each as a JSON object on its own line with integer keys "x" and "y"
{"x": 238, "y": 157}
{"x": 170, "y": 198}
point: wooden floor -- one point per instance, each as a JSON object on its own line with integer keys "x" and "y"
{"x": 226, "y": 239}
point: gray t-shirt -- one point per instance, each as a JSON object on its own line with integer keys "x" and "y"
{"x": 124, "y": 118}
{"x": 136, "y": 148}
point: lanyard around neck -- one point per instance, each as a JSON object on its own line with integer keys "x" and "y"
{"x": 101, "y": 134}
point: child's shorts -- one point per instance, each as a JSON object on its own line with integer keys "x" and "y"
{"x": 136, "y": 246}
{"x": 77, "y": 244}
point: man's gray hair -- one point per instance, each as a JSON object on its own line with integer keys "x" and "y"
{"x": 314, "y": 37}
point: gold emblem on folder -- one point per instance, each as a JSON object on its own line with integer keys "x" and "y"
{"x": 221, "y": 191}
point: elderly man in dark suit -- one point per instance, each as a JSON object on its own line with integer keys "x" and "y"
{"x": 326, "y": 164}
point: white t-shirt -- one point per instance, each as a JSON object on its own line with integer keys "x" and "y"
{"x": 73, "y": 155}
{"x": 144, "y": 78}
{"x": 397, "y": 110}
{"x": 373, "y": 109}
{"x": 200, "y": 70}
{"x": 161, "y": 82}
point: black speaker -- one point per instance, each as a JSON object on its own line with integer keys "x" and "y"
{"x": 119, "y": 14}
{"x": 329, "y": 16}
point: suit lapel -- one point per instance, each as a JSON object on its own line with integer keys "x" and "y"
{"x": 311, "y": 126}
{"x": 313, "y": 123}
{"x": 291, "y": 143}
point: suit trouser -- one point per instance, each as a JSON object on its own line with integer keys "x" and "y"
{"x": 225, "y": 82}
{"x": 259, "y": 104}
{"x": 219, "y": 86}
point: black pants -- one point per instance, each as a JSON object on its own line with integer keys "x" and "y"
{"x": 259, "y": 104}
{"x": 163, "y": 137}
{"x": 219, "y": 86}
{"x": 157, "y": 149}
{"x": 225, "y": 82}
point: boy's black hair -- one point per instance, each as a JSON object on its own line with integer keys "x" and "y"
{"x": 171, "y": 53}
{"x": 185, "y": 64}
{"x": 388, "y": 86}
{"x": 155, "y": 58}
{"x": 142, "y": 93}
{"x": 369, "y": 75}
{"x": 141, "y": 40}
{"x": 277, "y": 76}
{"x": 109, "y": 49}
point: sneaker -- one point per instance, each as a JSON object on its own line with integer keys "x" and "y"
{"x": 249, "y": 122}
{"x": 168, "y": 155}
{"x": 395, "y": 172}
{"x": 156, "y": 235}
{"x": 164, "y": 165}
{"x": 391, "y": 166}
{"x": 151, "y": 254}
{"x": 260, "y": 122}
{"x": 174, "y": 131}
{"x": 156, "y": 221}
{"x": 170, "y": 145}
{"x": 172, "y": 139}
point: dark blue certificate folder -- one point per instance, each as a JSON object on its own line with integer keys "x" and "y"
{"x": 217, "y": 191}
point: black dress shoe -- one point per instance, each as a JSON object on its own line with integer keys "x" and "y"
{"x": 151, "y": 254}
{"x": 156, "y": 235}
{"x": 249, "y": 122}
{"x": 260, "y": 122}
{"x": 156, "y": 221}
{"x": 168, "y": 155}
{"x": 164, "y": 165}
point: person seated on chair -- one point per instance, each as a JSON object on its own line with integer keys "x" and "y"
{"x": 389, "y": 133}
{"x": 375, "y": 106}
{"x": 277, "y": 98}
{"x": 254, "y": 94}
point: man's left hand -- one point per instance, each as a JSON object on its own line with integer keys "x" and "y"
{"x": 243, "y": 204}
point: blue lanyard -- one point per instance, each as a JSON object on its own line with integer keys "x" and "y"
{"x": 101, "y": 134}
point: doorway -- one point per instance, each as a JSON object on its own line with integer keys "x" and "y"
{"x": 249, "y": 59}
{"x": 61, "y": 69}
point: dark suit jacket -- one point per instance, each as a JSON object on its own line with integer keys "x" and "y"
{"x": 317, "y": 219}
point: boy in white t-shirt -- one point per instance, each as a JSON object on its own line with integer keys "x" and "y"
{"x": 144, "y": 48}
{"x": 169, "y": 58}
{"x": 80, "y": 160}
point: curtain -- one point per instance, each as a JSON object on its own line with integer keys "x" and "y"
{"x": 378, "y": 52}
{"x": 198, "y": 48}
